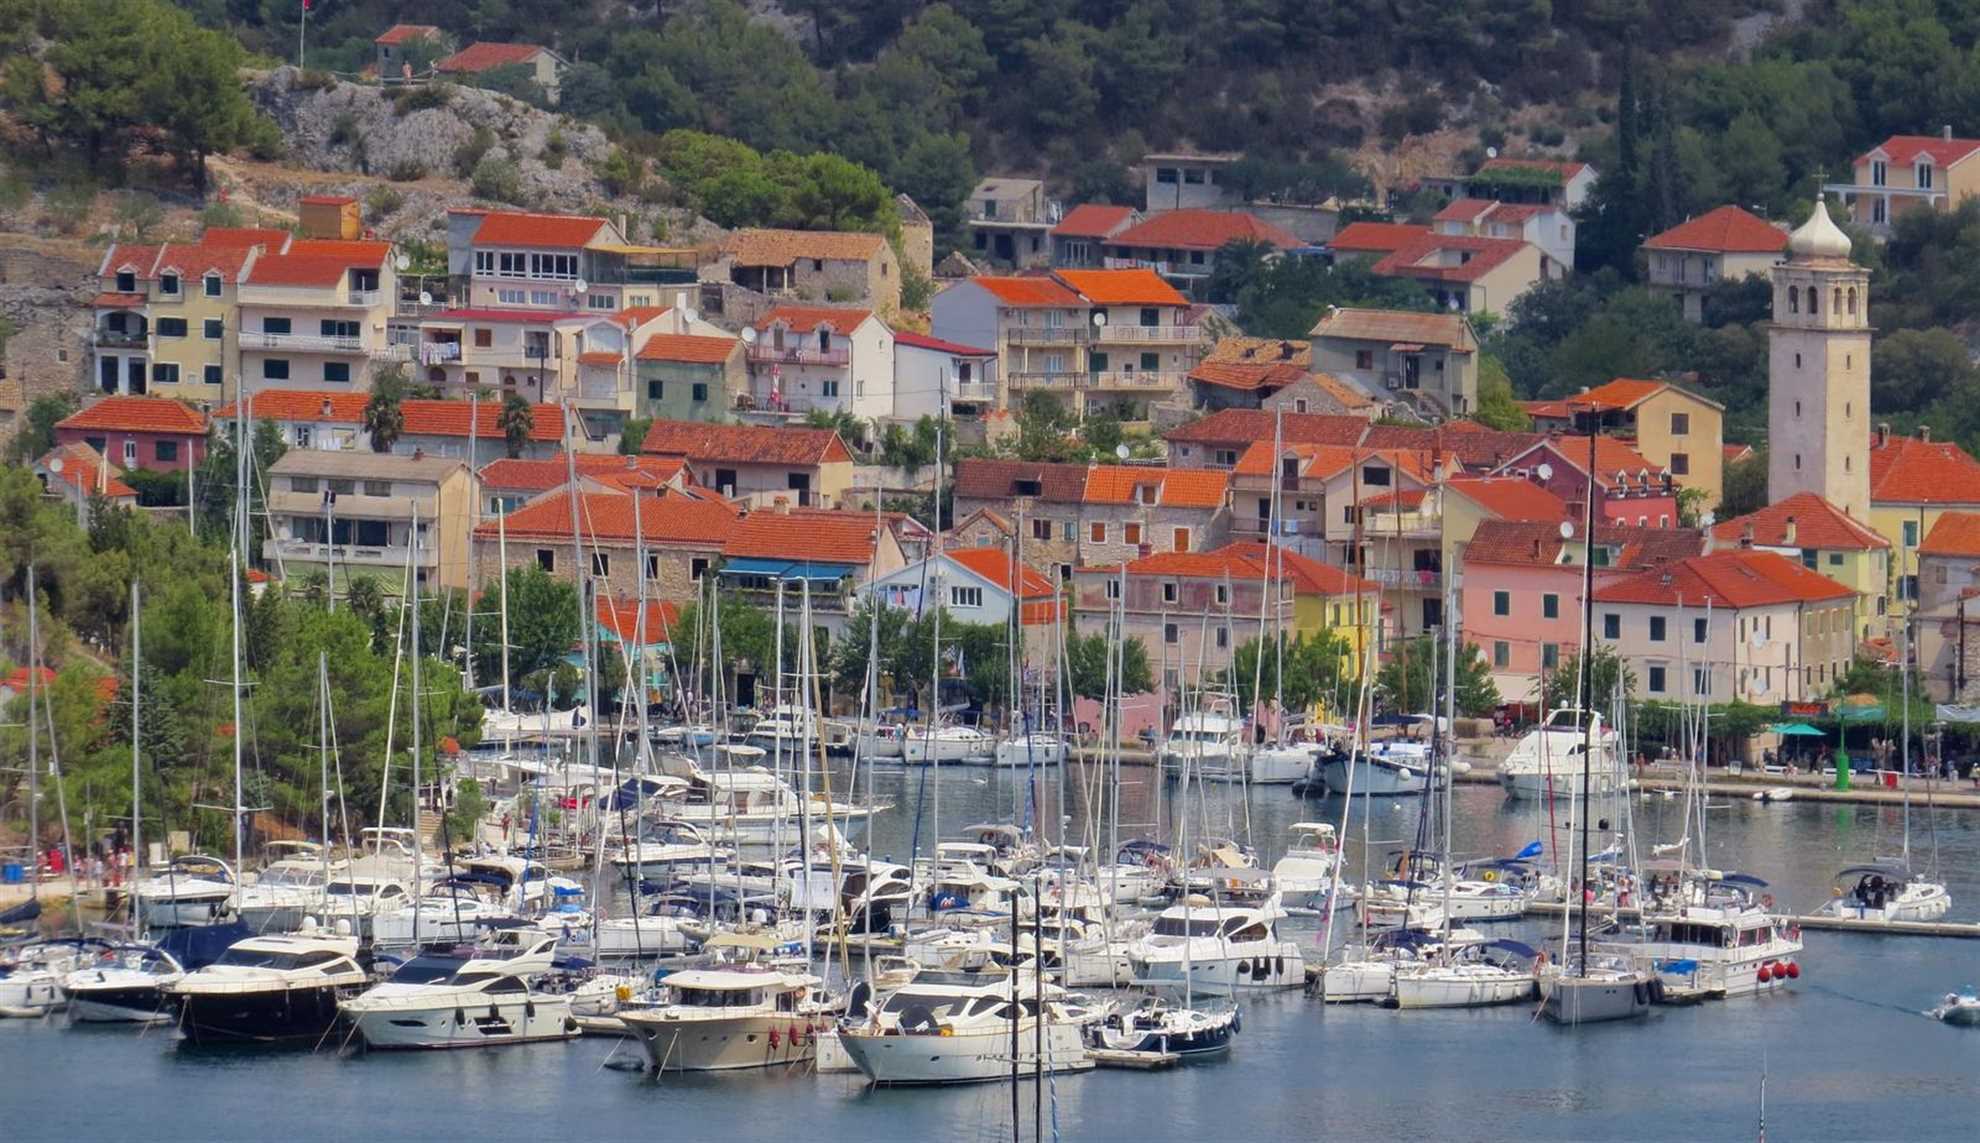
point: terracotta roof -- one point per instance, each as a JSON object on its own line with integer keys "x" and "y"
{"x": 85, "y": 468}
{"x": 1122, "y": 287}
{"x": 450, "y": 419}
{"x": 139, "y": 258}
{"x": 239, "y": 237}
{"x": 1487, "y": 254}
{"x": 1375, "y": 237}
{"x": 745, "y": 444}
{"x": 994, "y": 564}
{"x": 783, "y": 247}
{"x": 299, "y": 270}
{"x": 1324, "y": 461}
{"x": 137, "y": 415}
{"x": 1307, "y": 573}
{"x": 1511, "y": 498}
{"x": 1244, "y": 426}
{"x": 1734, "y": 453}
{"x": 1622, "y": 393}
{"x": 803, "y": 534}
{"x": 400, "y": 33}
{"x": 111, "y": 300}
{"x": 1407, "y": 500}
{"x": 1093, "y": 220}
{"x": 1906, "y": 470}
{"x": 1203, "y": 230}
{"x": 486, "y": 57}
{"x": 600, "y": 357}
{"x": 804, "y": 319}
{"x": 1566, "y": 170}
{"x": 1403, "y": 327}
{"x": 536, "y": 476}
{"x": 1475, "y": 447}
{"x": 1905, "y": 149}
{"x": 622, "y": 618}
{"x": 1641, "y": 546}
{"x": 1349, "y": 397}
{"x": 1465, "y": 210}
{"x": 316, "y": 405}
{"x": 195, "y": 262}
{"x": 608, "y": 516}
{"x": 915, "y": 340}
{"x": 1955, "y": 534}
{"x": 693, "y": 349}
{"x": 1738, "y": 578}
{"x": 515, "y": 228}
{"x": 1722, "y": 230}
{"x": 1611, "y": 457}
{"x": 1225, "y": 563}
{"x": 1030, "y": 290}
{"x": 354, "y": 251}
{"x": 1817, "y": 524}
{"x": 1524, "y": 543}
{"x": 984, "y": 479}
{"x": 1175, "y": 487}
{"x": 1255, "y": 350}
{"x": 1248, "y": 377}
{"x": 326, "y": 200}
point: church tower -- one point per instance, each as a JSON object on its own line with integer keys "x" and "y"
{"x": 1818, "y": 371}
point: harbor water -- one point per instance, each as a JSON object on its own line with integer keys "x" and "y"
{"x": 1846, "y": 1053}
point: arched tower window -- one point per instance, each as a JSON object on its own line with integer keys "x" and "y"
{"x": 1835, "y": 303}
{"x": 1852, "y": 301}
{"x": 1794, "y": 300}
{"x": 1813, "y": 302}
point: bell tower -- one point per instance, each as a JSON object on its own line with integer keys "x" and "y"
{"x": 1818, "y": 371}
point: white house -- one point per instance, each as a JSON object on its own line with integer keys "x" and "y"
{"x": 826, "y": 358}
{"x": 974, "y": 584}
{"x": 930, "y": 373}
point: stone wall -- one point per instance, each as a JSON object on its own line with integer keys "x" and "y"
{"x": 673, "y": 582}
{"x": 45, "y": 288}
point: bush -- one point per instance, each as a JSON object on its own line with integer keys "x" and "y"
{"x": 382, "y": 201}
{"x": 422, "y": 97}
{"x": 69, "y": 206}
{"x": 407, "y": 171}
{"x": 309, "y": 79}
{"x": 220, "y": 214}
{"x": 469, "y": 154}
{"x": 497, "y": 178}
{"x": 620, "y": 173}
{"x": 554, "y": 149}
{"x": 1492, "y": 135}
{"x": 264, "y": 139}
{"x": 1549, "y": 136}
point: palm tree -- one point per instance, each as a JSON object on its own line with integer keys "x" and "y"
{"x": 518, "y": 420}
{"x": 384, "y": 419}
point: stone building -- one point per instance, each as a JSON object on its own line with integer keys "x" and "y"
{"x": 681, "y": 536}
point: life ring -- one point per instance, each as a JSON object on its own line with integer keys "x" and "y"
{"x": 1491, "y": 875}
{"x": 623, "y": 992}
{"x": 1244, "y": 968}
{"x": 1767, "y": 901}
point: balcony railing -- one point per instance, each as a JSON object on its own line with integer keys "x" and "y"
{"x": 1136, "y": 379}
{"x": 353, "y": 505}
{"x": 381, "y": 555}
{"x": 975, "y": 391}
{"x": 1064, "y": 380}
{"x": 115, "y": 339}
{"x": 301, "y": 342}
{"x": 1046, "y": 335}
{"x": 1182, "y": 334}
{"x": 798, "y": 355}
{"x": 439, "y": 352}
{"x": 365, "y": 298}
{"x": 1408, "y": 579}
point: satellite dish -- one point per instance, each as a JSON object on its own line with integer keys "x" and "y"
{"x": 690, "y": 315}
{"x": 580, "y": 285}
{"x": 1099, "y": 318}
{"x": 425, "y": 298}
{"x": 1567, "y": 530}
{"x": 1491, "y": 152}
{"x": 55, "y": 465}
{"x": 1545, "y": 471}
{"x": 749, "y": 335}
{"x": 1708, "y": 518}
{"x": 1121, "y": 450}
{"x": 401, "y": 261}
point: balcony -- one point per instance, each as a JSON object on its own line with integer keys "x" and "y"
{"x": 974, "y": 391}
{"x": 365, "y": 298}
{"x": 385, "y": 556}
{"x": 798, "y": 355}
{"x": 1145, "y": 334}
{"x": 1137, "y": 379}
{"x": 1409, "y": 579}
{"x": 1064, "y": 380}
{"x": 301, "y": 343}
{"x": 1046, "y": 335}
{"x": 118, "y": 339}
{"x": 601, "y": 389}
{"x": 439, "y": 352}
{"x": 353, "y": 505}
{"x": 1381, "y": 523}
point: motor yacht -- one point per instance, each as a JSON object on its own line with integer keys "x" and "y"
{"x": 194, "y": 889}
{"x": 31, "y": 974}
{"x": 949, "y": 1026}
{"x": 1208, "y": 740}
{"x": 122, "y": 984}
{"x": 924, "y": 745}
{"x": 468, "y": 997}
{"x": 1546, "y": 763}
{"x": 1305, "y": 874}
{"x": 288, "y": 889}
{"x": 731, "y": 1016}
{"x": 269, "y": 989}
{"x": 1158, "y": 1027}
{"x": 1711, "y": 933}
{"x": 1389, "y": 768}
{"x": 355, "y": 899}
{"x": 1217, "y": 949}
{"x": 1036, "y": 748}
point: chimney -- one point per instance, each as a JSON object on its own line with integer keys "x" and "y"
{"x": 1946, "y": 133}
{"x": 1536, "y": 547}
{"x": 1925, "y": 434}
{"x": 1789, "y": 532}
{"x": 1883, "y": 434}
{"x": 1746, "y": 536}
{"x": 419, "y": 453}
{"x": 326, "y": 406}
{"x": 783, "y": 505}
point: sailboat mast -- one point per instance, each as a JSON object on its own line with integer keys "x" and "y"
{"x": 502, "y": 551}
{"x": 1586, "y": 683}
{"x": 323, "y": 751}
{"x": 467, "y": 660}
{"x": 34, "y": 739}
{"x": 137, "y": 821}
{"x": 412, "y": 588}
{"x": 1904, "y": 697}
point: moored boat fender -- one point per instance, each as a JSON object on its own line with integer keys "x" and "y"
{"x": 1237, "y": 1021}
{"x": 1656, "y": 990}
{"x": 1642, "y": 990}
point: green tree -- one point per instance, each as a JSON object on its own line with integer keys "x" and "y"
{"x": 517, "y": 421}
{"x": 633, "y": 434}
{"x": 1317, "y": 670}
{"x": 384, "y": 414}
{"x": 1498, "y": 407}
{"x": 37, "y": 431}
{"x": 543, "y": 624}
{"x": 1564, "y": 681}
{"x": 1745, "y": 487}
{"x": 1405, "y": 677}
{"x": 1087, "y": 670}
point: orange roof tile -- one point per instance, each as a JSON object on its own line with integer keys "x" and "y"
{"x": 1817, "y": 524}
{"x": 692, "y": 349}
{"x": 450, "y": 419}
{"x": 783, "y": 247}
{"x": 1203, "y": 230}
{"x": 1397, "y": 326}
{"x": 1376, "y": 237}
{"x": 600, "y": 357}
{"x": 324, "y": 200}
{"x": 745, "y": 444}
{"x": 299, "y": 270}
{"x": 85, "y": 468}
{"x": 137, "y": 415}
{"x": 535, "y": 476}
{"x": 316, "y": 405}
{"x": 111, "y": 300}
{"x": 1738, "y": 578}
{"x": 1245, "y": 426}
{"x": 400, "y": 33}
{"x": 1511, "y": 498}
{"x": 1487, "y": 254}
{"x": 515, "y": 228}
{"x": 1906, "y": 470}
{"x": 138, "y": 258}
{"x": 1904, "y": 150}
{"x": 1030, "y": 291}
{"x": 239, "y": 237}
{"x": 1307, "y": 573}
{"x": 982, "y": 478}
{"x": 913, "y": 340}
{"x": 1611, "y": 456}
{"x": 803, "y": 534}
{"x": 1174, "y": 487}
{"x": 622, "y": 618}
{"x": 197, "y": 261}
{"x": 1325, "y": 461}
{"x": 1093, "y": 220}
{"x": 1122, "y": 287}
{"x": 607, "y": 517}
{"x": 354, "y": 251}
{"x": 804, "y": 319}
{"x": 994, "y": 564}
{"x": 1955, "y": 534}
{"x": 486, "y": 57}
{"x": 1248, "y": 377}
{"x": 1724, "y": 230}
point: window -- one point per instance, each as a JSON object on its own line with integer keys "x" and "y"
{"x": 1698, "y": 631}
{"x": 1680, "y": 464}
{"x": 1680, "y": 424}
{"x": 512, "y": 297}
{"x": 700, "y": 392}
{"x": 1911, "y": 533}
{"x": 1656, "y": 629}
{"x": 1656, "y": 680}
{"x": 1131, "y": 533}
{"x": 1924, "y": 176}
{"x": 1835, "y": 559}
{"x": 166, "y": 451}
{"x": 377, "y": 488}
{"x": 1165, "y": 174}
{"x": 1701, "y": 681}
{"x": 1375, "y": 474}
{"x": 1502, "y": 603}
{"x": 1097, "y": 532}
{"x": 1041, "y": 529}
{"x": 168, "y": 285}
{"x": 828, "y": 388}
{"x": 333, "y": 328}
{"x": 655, "y": 390}
{"x": 599, "y": 301}
{"x": 1170, "y": 592}
{"x": 1794, "y": 307}
{"x": 96, "y": 443}
{"x": 1066, "y": 530}
{"x": 304, "y": 436}
{"x": 1171, "y": 633}
{"x": 171, "y": 327}
{"x": 345, "y": 488}
{"x": 965, "y": 597}
{"x": 1501, "y": 654}
{"x": 165, "y": 373}
{"x": 1879, "y": 171}
{"x": 1550, "y": 656}
{"x": 1611, "y": 626}
{"x": 1223, "y": 593}
{"x": 1182, "y": 539}
{"x": 697, "y": 567}
{"x": 1224, "y": 458}
{"x": 213, "y": 328}
{"x": 211, "y": 374}
{"x": 302, "y": 484}
{"x": 484, "y": 338}
{"x": 274, "y": 369}
{"x": 275, "y": 325}
{"x": 126, "y": 282}
{"x": 1364, "y": 359}
{"x": 337, "y": 372}
{"x": 1113, "y": 589}
{"x": 1550, "y": 605}
{"x": 1808, "y": 558}
{"x": 601, "y": 564}
{"x": 546, "y": 558}
{"x": 1151, "y": 362}
{"x": 1223, "y": 637}
{"x": 130, "y": 452}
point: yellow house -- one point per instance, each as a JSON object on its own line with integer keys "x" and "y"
{"x": 1471, "y": 275}
{"x": 167, "y": 319}
{"x": 1672, "y": 428}
{"x": 1914, "y": 481}
{"x": 1468, "y": 501}
{"x": 1808, "y": 528}
{"x": 1909, "y": 172}
{"x": 1326, "y": 599}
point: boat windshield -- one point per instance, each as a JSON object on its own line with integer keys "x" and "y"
{"x": 713, "y": 997}
{"x": 1179, "y": 927}
{"x": 238, "y": 957}
{"x": 940, "y": 1007}
{"x": 1567, "y": 719}
{"x": 426, "y": 970}
{"x": 277, "y": 875}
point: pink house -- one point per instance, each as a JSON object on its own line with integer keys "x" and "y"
{"x": 1522, "y": 592}
{"x": 1634, "y": 491}
{"x": 139, "y": 432}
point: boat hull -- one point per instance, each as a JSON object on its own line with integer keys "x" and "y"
{"x": 482, "y": 1024}
{"x": 1460, "y": 989}
{"x": 1357, "y": 982}
{"x": 182, "y": 912}
{"x": 1374, "y": 781}
{"x": 970, "y": 1057}
{"x": 272, "y": 1016}
{"x": 729, "y": 1043}
{"x": 1280, "y": 767}
{"x": 138, "y": 1003}
{"x": 1927, "y": 904}
{"x": 1534, "y": 785}
{"x": 1595, "y": 1000}
{"x": 30, "y": 995}
{"x": 1281, "y": 967}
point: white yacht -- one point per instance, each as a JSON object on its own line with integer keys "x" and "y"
{"x": 1209, "y": 740}
{"x": 467, "y": 998}
{"x": 1366, "y": 973}
{"x": 1611, "y": 988}
{"x": 122, "y": 984}
{"x": 1477, "y": 976}
{"x": 742, "y": 803}
{"x": 1416, "y": 884}
{"x": 1036, "y": 748}
{"x": 1217, "y": 949}
{"x": 785, "y": 728}
{"x": 1546, "y": 762}
{"x": 950, "y": 1026}
{"x": 1886, "y": 891}
{"x": 1710, "y": 934}
{"x": 731, "y": 1016}
{"x": 194, "y": 889}
{"x": 355, "y": 899}
{"x": 450, "y": 915}
{"x": 1157, "y": 1027}
{"x": 923, "y": 745}
{"x": 1389, "y": 768}
{"x": 658, "y": 846}
{"x": 1305, "y": 874}
{"x": 31, "y": 975}
{"x": 269, "y": 989}
{"x": 881, "y": 739}
{"x": 288, "y": 889}
{"x": 1281, "y": 765}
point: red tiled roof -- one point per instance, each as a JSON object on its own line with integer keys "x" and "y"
{"x": 1464, "y": 210}
{"x": 1472, "y": 445}
{"x": 1175, "y": 487}
{"x": 1566, "y": 170}
{"x": 195, "y": 262}
{"x": 1736, "y": 452}
{"x": 608, "y": 516}
{"x": 986, "y": 479}
{"x": 1955, "y": 534}
{"x": 994, "y": 564}
{"x": 1092, "y": 220}
{"x": 298, "y": 270}
{"x": 1408, "y": 499}
{"x": 1030, "y": 291}
{"x": 1323, "y": 461}
{"x": 1122, "y": 287}
{"x": 803, "y": 534}
{"x": 137, "y": 415}
{"x": 1907, "y": 470}
{"x": 1817, "y": 524}
{"x": 1245, "y": 426}
{"x": 622, "y": 618}
{"x": 804, "y": 319}
{"x": 137, "y": 257}
{"x": 1723, "y": 230}
{"x": 353, "y": 251}
{"x": 745, "y": 444}
{"x": 1905, "y": 149}
{"x": 693, "y": 349}
{"x": 1487, "y": 254}
{"x": 1523, "y": 543}
{"x": 85, "y": 468}
{"x": 1203, "y": 230}
{"x": 1511, "y": 498}
{"x": 1231, "y": 375}
{"x": 1738, "y": 578}
{"x": 1611, "y": 456}
{"x": 111, "y": 300}
{"x": 318, "y": 405}
{"x": 241, "y": 237}
{"x": 534, "y": 476}
{"x": 1407, "y": 326}
{"x": 450, "y": 419}
{"x": 516, "y": 228}
{"x": 922, "y": 341}
{"x": 1376, "y": 237}
{"x": 400, "y": 33}
{"x": 1226, "y": 562}
{"x": 1307, "y": 573}
{"x": 600, "y": 357}
{"x": 486, "y": 57}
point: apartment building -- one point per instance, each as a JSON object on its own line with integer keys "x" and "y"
{"x": 350, "y": 514}
{"x": 560, "y": 263}
{"x": 1549, "y": 227}
{"x": 1079, "y": 237}
{"x": 1428, "y": 360}
{"x": 165, "y": 321}
{"x": 1725, "y": 244}
{"x": 1672, "y": 428}
{"x": 1807, "y": 528}
{"x": 1010, "y": 222}
{"x": 315, "y": 316}
{"x": 805, "y": 359}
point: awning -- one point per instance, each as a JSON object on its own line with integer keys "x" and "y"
{"x": 788, "y": 569}
{"x": 1793, "y": 728}
{"x": 1406, "y": 347}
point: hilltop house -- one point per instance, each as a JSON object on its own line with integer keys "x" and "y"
{"x": 815, "y": 266}
{"x": 1083, "y": 233}
{"x": 1909, "y": 172}
{"x": 139, "y": 432}
{"x": 1552, "y": 182}
{"x": 1722, "y": 245}
{"x": 544, "y": 67}
{"x": 1673, "y": 428}
{"x": 1010, "y": 221}
{"x": 1548, "y": 227}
